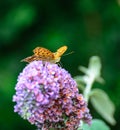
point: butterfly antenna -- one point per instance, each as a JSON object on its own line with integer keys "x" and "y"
{"x": 68, "y": 53}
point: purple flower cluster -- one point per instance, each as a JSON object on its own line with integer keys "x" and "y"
{"x": 47, "y": 96}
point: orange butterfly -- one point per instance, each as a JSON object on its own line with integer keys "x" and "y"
{"x": 44, "y": 54}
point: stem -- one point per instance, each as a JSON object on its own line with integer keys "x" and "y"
{"x": 89, "y": 83}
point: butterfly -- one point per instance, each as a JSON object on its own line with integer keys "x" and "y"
{"x": 41, "y": 53}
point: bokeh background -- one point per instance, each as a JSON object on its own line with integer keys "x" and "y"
{"x": 87, "y": 27}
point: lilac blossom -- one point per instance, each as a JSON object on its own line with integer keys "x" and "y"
{"x": 47, "y": 96}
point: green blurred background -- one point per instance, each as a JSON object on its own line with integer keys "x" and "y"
{"x": 87, "y": 27}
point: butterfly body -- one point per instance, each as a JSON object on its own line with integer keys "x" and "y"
{"x": 41, "y": 53}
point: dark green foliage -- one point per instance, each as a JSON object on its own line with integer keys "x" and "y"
{"x": 87, "y": 27}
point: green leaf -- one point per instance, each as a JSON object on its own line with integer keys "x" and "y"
{"x": 95, "y": 64}
{"x": 94, "y": 69}
{"x": 103, "y": 105}
{"x": 96, "y": 125}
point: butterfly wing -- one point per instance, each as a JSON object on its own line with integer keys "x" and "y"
{"x": 43, "y": 53}
{"x": 60, "y": 52}
{"x": 29, "y": 59}
{"x": 40, "y": 53}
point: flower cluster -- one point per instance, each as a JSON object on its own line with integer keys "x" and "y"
{"x": 47, "y": 96}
